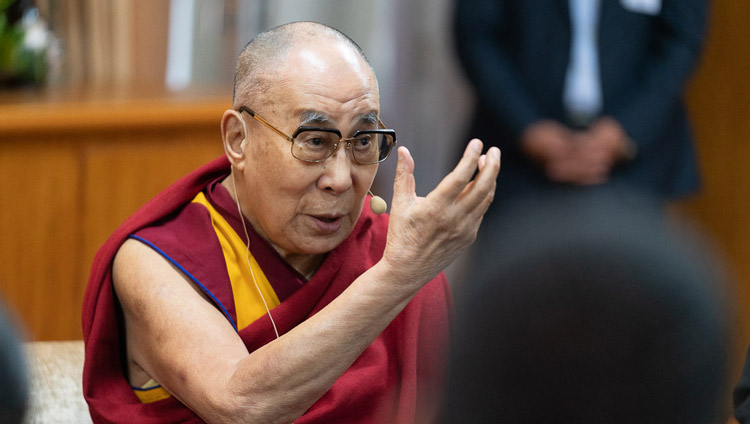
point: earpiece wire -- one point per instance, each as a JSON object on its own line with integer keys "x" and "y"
{"x": 247, "y": 255}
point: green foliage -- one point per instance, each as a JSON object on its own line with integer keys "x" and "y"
{"x": 4, "y": 4}
{"x": 18, "y": 65}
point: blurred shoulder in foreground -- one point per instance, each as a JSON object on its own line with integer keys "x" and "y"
{"x": 590, "y": 307}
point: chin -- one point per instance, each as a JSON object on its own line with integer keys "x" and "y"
{"x": 324, "y": 245}
{"x": 318, "y": 245}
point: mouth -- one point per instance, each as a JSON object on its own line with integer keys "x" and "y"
{"x": 327, "y": 218}
{"x": 327, "y": 223}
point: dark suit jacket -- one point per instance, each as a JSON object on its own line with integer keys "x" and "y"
{"x": 516, "y": 55}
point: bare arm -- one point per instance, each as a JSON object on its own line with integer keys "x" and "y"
{"x": 188, "y": 346}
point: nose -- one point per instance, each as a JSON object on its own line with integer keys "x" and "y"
{"x": 337, "y": 171}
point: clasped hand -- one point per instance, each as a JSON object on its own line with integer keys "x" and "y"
{"x": 576, "y": 157}
{"x": 426, "y": 234}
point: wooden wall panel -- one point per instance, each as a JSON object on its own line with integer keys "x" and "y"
{"x": 719, "y": 102}
{"x": 39, "y": 223}
{"x": 74, "y": 169}
{"x": 123, "y": 175}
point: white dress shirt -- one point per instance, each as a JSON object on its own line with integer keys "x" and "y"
{"x": 582, "y": 95}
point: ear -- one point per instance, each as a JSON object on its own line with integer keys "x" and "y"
{"x": 234, "y": 136}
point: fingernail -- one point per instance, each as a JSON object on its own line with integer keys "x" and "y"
{"x": 495, "y": 152}
{"x": 476, "y": 145}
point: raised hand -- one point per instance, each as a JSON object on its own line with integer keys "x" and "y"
{"x": 426, "y": 234}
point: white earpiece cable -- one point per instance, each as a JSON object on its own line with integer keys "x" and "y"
{"x": 247, "y": 254}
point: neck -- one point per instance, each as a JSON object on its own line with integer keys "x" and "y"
{"x": 306, "y": 265}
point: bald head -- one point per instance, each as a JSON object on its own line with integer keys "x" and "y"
{"x": 259, "y": 60}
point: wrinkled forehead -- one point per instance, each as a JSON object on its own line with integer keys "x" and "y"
{"x": 331, "y": 79}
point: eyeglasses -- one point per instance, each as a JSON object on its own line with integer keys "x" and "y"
{"x": 315, "y": 144}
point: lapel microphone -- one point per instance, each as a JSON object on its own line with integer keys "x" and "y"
{"x": 377, "y": 204}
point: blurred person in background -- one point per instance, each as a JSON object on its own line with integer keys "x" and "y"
{"x": 584, "y": 92}
{"x": 590, "y": 309}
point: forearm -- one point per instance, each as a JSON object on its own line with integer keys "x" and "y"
{"x": 281, "y": 380}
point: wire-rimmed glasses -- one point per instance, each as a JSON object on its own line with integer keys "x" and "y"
{"x": 316, "y": 144}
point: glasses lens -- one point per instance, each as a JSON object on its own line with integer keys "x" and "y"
{"x": 314, "y": 146}
{"x": 372, "y": 147}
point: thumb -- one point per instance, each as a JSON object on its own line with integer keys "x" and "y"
{"x": 404, "y": 186}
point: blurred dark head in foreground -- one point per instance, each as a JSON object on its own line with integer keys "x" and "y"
{"x": 14, "y": 380}
{"x": 589, "y": 310}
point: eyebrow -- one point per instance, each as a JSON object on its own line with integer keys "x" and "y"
{"x": 369, "y": 118}
{"x": 314, "y": 117}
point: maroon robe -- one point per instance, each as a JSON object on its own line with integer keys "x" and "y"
{"x": 395, "y": 380}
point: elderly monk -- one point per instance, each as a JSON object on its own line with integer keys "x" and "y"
{"x": 259, "y": 288}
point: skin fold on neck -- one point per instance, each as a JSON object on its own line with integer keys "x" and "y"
{"x": 306, "y": 265}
